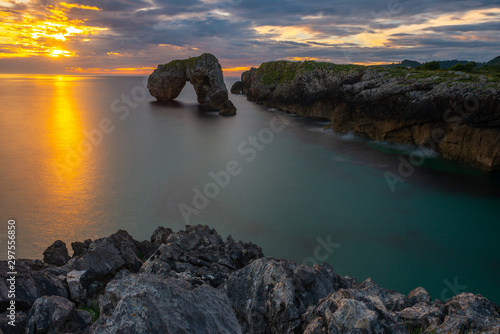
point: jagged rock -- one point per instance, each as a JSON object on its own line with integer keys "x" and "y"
{"x": 419, "y": 295}
{"x": 365, "y": 307}
{"x": 227, "y": 109}
{"x": 56, "y": 254}
{"x": 270, "y": 295}
{"x": 80, "y": 248}
{"x": 54, "y": 315}
{"x": 253, "y": 294}
{"x": 458, "y": 119}
{"x": 470, "y": 313}
{"x": 422, "y": 315}
{"x": 145, "y": 303}
{"x": 203, "y": 72}
{"x": 33, "y": 281}
{"x": 392, "y": 300}
{"x": 161, "y": 234}
{"x": 199, "y": 254}
{"x": 104, "y": 258}
{"x": 237, "y": 88}
{"x": 19, "y": 322}
{"x": 76, "y": 290}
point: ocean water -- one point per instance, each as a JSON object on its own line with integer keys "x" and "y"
{"x": 81, "y": 157}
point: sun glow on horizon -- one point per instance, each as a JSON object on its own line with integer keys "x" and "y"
{"x": 30, "y": 32}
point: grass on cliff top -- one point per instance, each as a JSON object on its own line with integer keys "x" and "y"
{"x": 182, "y": 63}
{"x": 491, "y": 74}
{"x": 284, "y": 71}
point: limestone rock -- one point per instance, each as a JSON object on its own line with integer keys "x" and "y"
{"x": 456, "y": 116}
{"x": 19, "y": 323}
{"x": 54, "y": 315}
{"x": 56, "y": 254}
{"x": 80, "y": 248}
{"x": 237, "y": 88}
{"x": 104, "y": 258}
{"x": 419, "y": 295}
{"x": 199, "y": 255}
{"x": 145, "y": 303}
{"x": 269, "y": 295}
{"x": 33, "y": 281}
{"x": 203, "y": 72}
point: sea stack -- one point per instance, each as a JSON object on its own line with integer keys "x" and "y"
{"x": 203, "y": 72}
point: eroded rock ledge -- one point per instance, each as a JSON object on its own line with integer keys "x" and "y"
{"x": 192, "y": 281}
{"x": 453, "y": 113}
{"x": 203, "y": 72}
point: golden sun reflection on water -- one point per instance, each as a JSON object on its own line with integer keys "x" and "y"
{"x": 71, "y": 190}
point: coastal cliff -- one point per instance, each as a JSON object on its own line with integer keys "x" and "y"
{"x": 193, "y": 281}
{"x": 453, "y": 113}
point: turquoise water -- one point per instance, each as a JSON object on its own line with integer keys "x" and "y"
{"x": 438, "y": 229}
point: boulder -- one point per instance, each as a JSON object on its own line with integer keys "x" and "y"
{"x": 56, "y": 254}
{"x": 237, "y": 88}
{"x": 103, "y": 259}
{"x": 419, "y": 295}
{"x": 19, "y": 323}
{"x": 80, "y": 248}
{"x": 203, "y": 72}
{"x": 146, "y": 303}
{"x": 269, "y": 295}
{"x": 467, "y": 312}
{"x": 54, "y": 315}
{"x": 354, "y": 310}
{"x": 33, "y": 281}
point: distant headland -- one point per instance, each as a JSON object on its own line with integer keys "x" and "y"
{"x": 455, "y": 111}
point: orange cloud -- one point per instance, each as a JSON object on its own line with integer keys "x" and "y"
{"x": 73, "y": 5}
{"x": 120, "y": 70}
{"x": 35, "y": 32}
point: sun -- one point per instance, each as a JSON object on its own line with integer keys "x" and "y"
{"x": 60, "y": 53}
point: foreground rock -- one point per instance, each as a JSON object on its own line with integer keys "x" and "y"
{"x": 147, "y": 303}
{"x": 203, "y": 72}
{"x": 453, "y": 113}
{"x": 192, "y": 281}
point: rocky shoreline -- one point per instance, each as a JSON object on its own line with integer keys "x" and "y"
{"x": 192, "y": 281}
{"x": 453, "y": 113}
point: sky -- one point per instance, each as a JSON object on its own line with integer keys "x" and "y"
{"x": 134, "y": 36}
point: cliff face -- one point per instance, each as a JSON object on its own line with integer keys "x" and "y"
{"x": 456, "y": 114}
{"x": 203, "y": 72}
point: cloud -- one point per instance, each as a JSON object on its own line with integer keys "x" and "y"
{"x": 111, "y": 34}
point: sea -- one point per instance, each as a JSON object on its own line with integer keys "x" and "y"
{"x": 84, "y": 156}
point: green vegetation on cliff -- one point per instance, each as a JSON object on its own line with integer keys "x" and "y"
{"x": 278, "y": 72}
{"x": 283, "y": 70}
